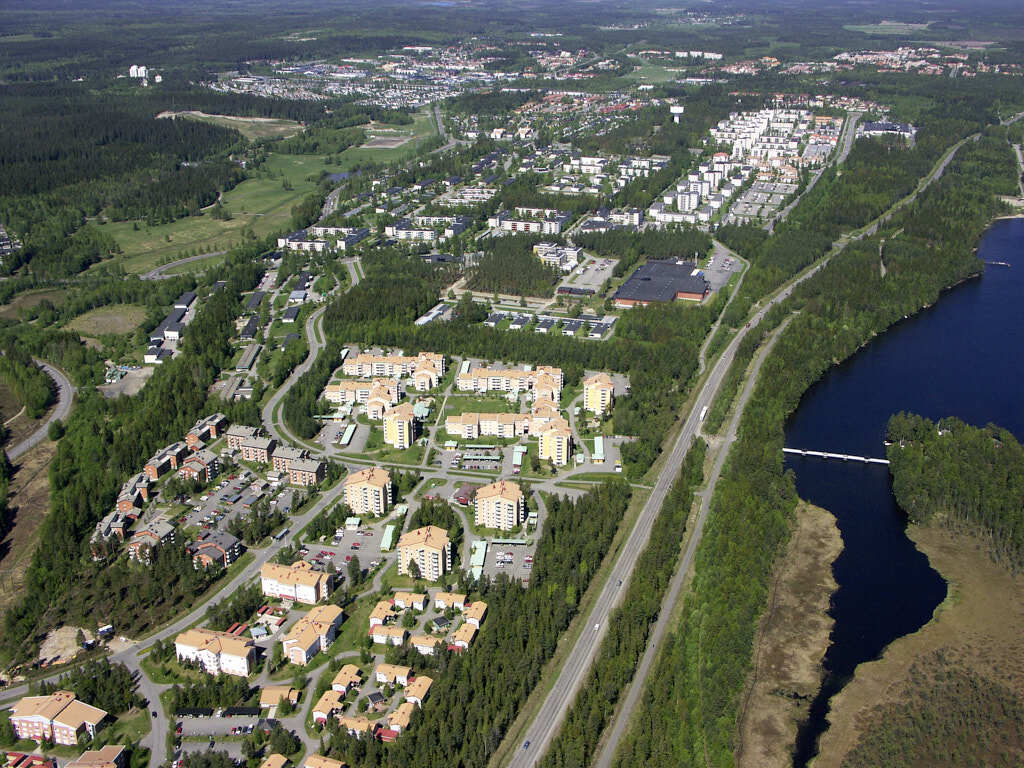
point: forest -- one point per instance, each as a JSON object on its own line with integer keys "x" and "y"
{"x": 629, "y": 247}
{"x": 520, "y": 634}
{"x": 968, "y": 478}
{"x": 29, "y": 383}
{"x": 689, "y": 711}
{"x": 509, "y": 266}
{"x": 99, "y": 683}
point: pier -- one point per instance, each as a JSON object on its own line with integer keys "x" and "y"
{"x": 840, "y": 456}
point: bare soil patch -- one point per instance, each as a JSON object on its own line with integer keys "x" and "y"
{"x": 61, "y": 645}
{"x": 790, "y": 644}
{"x": 978, "y": 629}
{"x": 386, "y": 142}
{"x": 115, "y": 318}
{"x": 28, "y": 504}
{"x": 129, "y": 384}
{"x": 31, "y": 299}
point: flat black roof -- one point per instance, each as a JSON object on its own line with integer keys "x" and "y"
{"x": 661, "y": 281}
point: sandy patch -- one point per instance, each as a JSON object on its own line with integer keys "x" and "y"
{"x": 130, "y": 384}
{"x": 791, "y": 642}
{"x": 386, "y": 142}
{"x": 980, "y": 626}
{"x": 61, "y": 645}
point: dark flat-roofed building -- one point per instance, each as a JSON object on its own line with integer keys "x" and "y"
{"x": 662, "y": 281}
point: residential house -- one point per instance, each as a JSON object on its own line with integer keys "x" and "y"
{"x": 392, "y": 674}
{"x": 500, "y": 505}
{"x": 356, "y": 726}
{"x": 415, "y": 600}
{"x": 475, "y": 613}
{"x": 383, "y": 613}
{"x": 297, "y": 582}
{"x": 348, "y": 677}
{"x": 445, "y": 600}
{"x": 275, "y": 761}
{"x": 368, "y": 491}
{"x": 319, "y": 761}
{"x": 430, "y": 548}
{"x": 388, "y": 634}
{"x": 60, "y": 717}
{"x": 464, "y": 636}
{"x": 400, "y": 718}
{"x": 274, "y": 695}
{"x": 417, "y": 690}
{"x": 329, "y": 704}
{"x": 424, "y": 644}
{"x": 110, "y": 756}
{"x": 311, "y": 634}
{"x": 216, "y": 652}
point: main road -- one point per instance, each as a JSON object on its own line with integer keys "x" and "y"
{"x": 546, "y": 724}
{"x": 65, "y": 394}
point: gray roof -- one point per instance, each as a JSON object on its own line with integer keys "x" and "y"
{"x": 661, "y": 281}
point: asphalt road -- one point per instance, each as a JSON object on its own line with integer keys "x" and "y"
{"x": 65, "y": 395}
{"x": 158, "y": 273}
{"x": 314, "y": 350}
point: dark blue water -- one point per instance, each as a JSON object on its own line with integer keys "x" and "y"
{"x": 960, "y": 358}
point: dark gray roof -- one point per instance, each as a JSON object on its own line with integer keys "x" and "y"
{"x": 661, "y": 281}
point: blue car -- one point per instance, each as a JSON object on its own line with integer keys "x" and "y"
{"x": 526, "y": 744}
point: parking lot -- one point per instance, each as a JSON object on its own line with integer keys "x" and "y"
{"x": 591, "y": 274}
{"x": 364, "y": 543}
{"x": 516, "y": 561}
{"x": 722, "y": 267}
{"x": 222, "y": 504}
{"x": 761, "y": 201}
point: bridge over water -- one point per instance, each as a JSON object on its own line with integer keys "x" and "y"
{"x": 839, "y": 456}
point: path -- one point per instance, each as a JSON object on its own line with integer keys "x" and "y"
{"x": 315, "y": 345}
{"x": 158, "y": 272}
{"x": 65, "y": 394}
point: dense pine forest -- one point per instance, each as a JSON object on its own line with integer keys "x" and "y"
{"x": 969, "y": 478}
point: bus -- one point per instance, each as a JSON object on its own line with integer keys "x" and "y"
{"x": 703, "y": 412}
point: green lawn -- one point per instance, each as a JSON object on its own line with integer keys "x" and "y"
{"x": 113, "y": 318}
{"x": 195, "y": 266}
{"x": 458, "y": 404}
{"x": 260, "y": 202}
{"x": 250, "y": 127}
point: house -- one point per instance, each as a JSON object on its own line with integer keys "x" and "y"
{"x": 311, "y": 634}
{"x": 382, "y": 613}
{"x": 319, "y": 761}
{"x": 306, "y": 472}
{"x": 148, "y": 538}
{"x": 445, "y": 600}
{"x": 429, "y": 548}
{"x": 416, "y": 691}
{"x": 368, "y": 492}
{"x": 60, "y": 717}
{"x": 556, "y": 442}
{"x": 399, "y": 719}
{"x": 500, "y": 505}
{"x": 297, "y": 582}
{"x": 598, "y": 393}
{"x": 464, "y": 636}
{"x": 424, "y": 644}
{"x": 475, "y": 613}
{"x": 329, "y": 704}
{"x": 284, "y": 455}
{"x": 384, "y": 634}
{"x": 414, "y": 600}
{"x": 355, "y": 726}
{"x": 201, "y": 467}
{"x": 216, "y": 652}
{"x": 399, "y": 426}
{"x": 214, "y": 547}
{"x": 258, "y": 449}
{"x": 391, "y": 674}
{"x": 275, "y": 760}
{"x": 205, "y": 430}
{"x": 348, "y": 677}
{"x": 110, "y": 756}
{"x": 273, "y": 695}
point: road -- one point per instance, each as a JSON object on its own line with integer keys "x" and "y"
{"x": 158, "y": 272}
{"x": 547, "y": 722}
{"x": 65, "y": 395}
{"x": 315, "y": 345}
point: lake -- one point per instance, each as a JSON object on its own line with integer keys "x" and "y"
{"x": 961, "y": 357}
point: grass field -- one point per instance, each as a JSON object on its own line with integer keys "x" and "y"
{"x": 250, "y": 127}
{"x": 421, "y": 129}
{"x": 31, "y": 299}
{"x": 115, "y": 318}
{"x": 471, "y": 404}
{"x": 886, "y": 28}
{"x": 651, "y": 73}
{"x": 195, "y": 266}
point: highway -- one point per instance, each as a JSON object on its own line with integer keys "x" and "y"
{"x": 65, "y": 395}
{"x": 546, "y": 724}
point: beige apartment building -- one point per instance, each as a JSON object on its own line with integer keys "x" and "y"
{"x": 368, "y": 491}
{"x": 500, "y": 505}
{"x": 430, "y": 548}
{"x": 399, "y": 426}
{"x": 598, "y": 393}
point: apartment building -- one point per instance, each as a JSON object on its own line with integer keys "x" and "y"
{"x": 60, "y": 717}
{"x": 201, "y": 467}
{"x": 399, "y": 426}
{"x": 216, "y": 652}
{"x": 166, "y": 460}
{"x": 258, "y": 449}
{"x": 206, "y": 430}
{"x": 365, "y": 365}
{"x": 237, "y": 434}
{"x": 598, "y": 393}
{"x": 430, "y": 548}
{"x": 306, "y": 472}
{"x": 351, "y": 392}
{"x": 542, "y": 380}
{"x": 311, "y": 634}
{"x": 543, "y": 221}
{"x": 297, "y": 582}
{"x": 146, "y": 539}
{"x": 500, "y": 505}
{"x": 556, "y": 442}
{"x": 368, "y": 491}
{"x": 283, "y": 456}
{"x": 565, "y": 258}
{"x": 214, "y": 547}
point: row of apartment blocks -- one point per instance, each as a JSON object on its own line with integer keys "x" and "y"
{"x": 543, "y": 221}
{"x": 297, "y": 582}
{"x": 428, "y": 229}
{"x": 543, "y": 381}
{"x": 169, "y": 329}
{"x": 253, "y": 445}
{"x": 425, "y": 369}
{"x": 563, "y": 257}
{"x": 322, "y": 239}
{"x": 59, "y": 717}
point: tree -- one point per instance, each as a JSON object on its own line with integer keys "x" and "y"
{"x": 414, "y": 569}
{"x": 355, "y": 571}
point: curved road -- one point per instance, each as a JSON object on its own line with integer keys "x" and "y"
{"x": 315, "y": 345}
{"x": 65, "y": 394}
{"x": 158, "y": 272}
{"x": 548, "y": 720}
